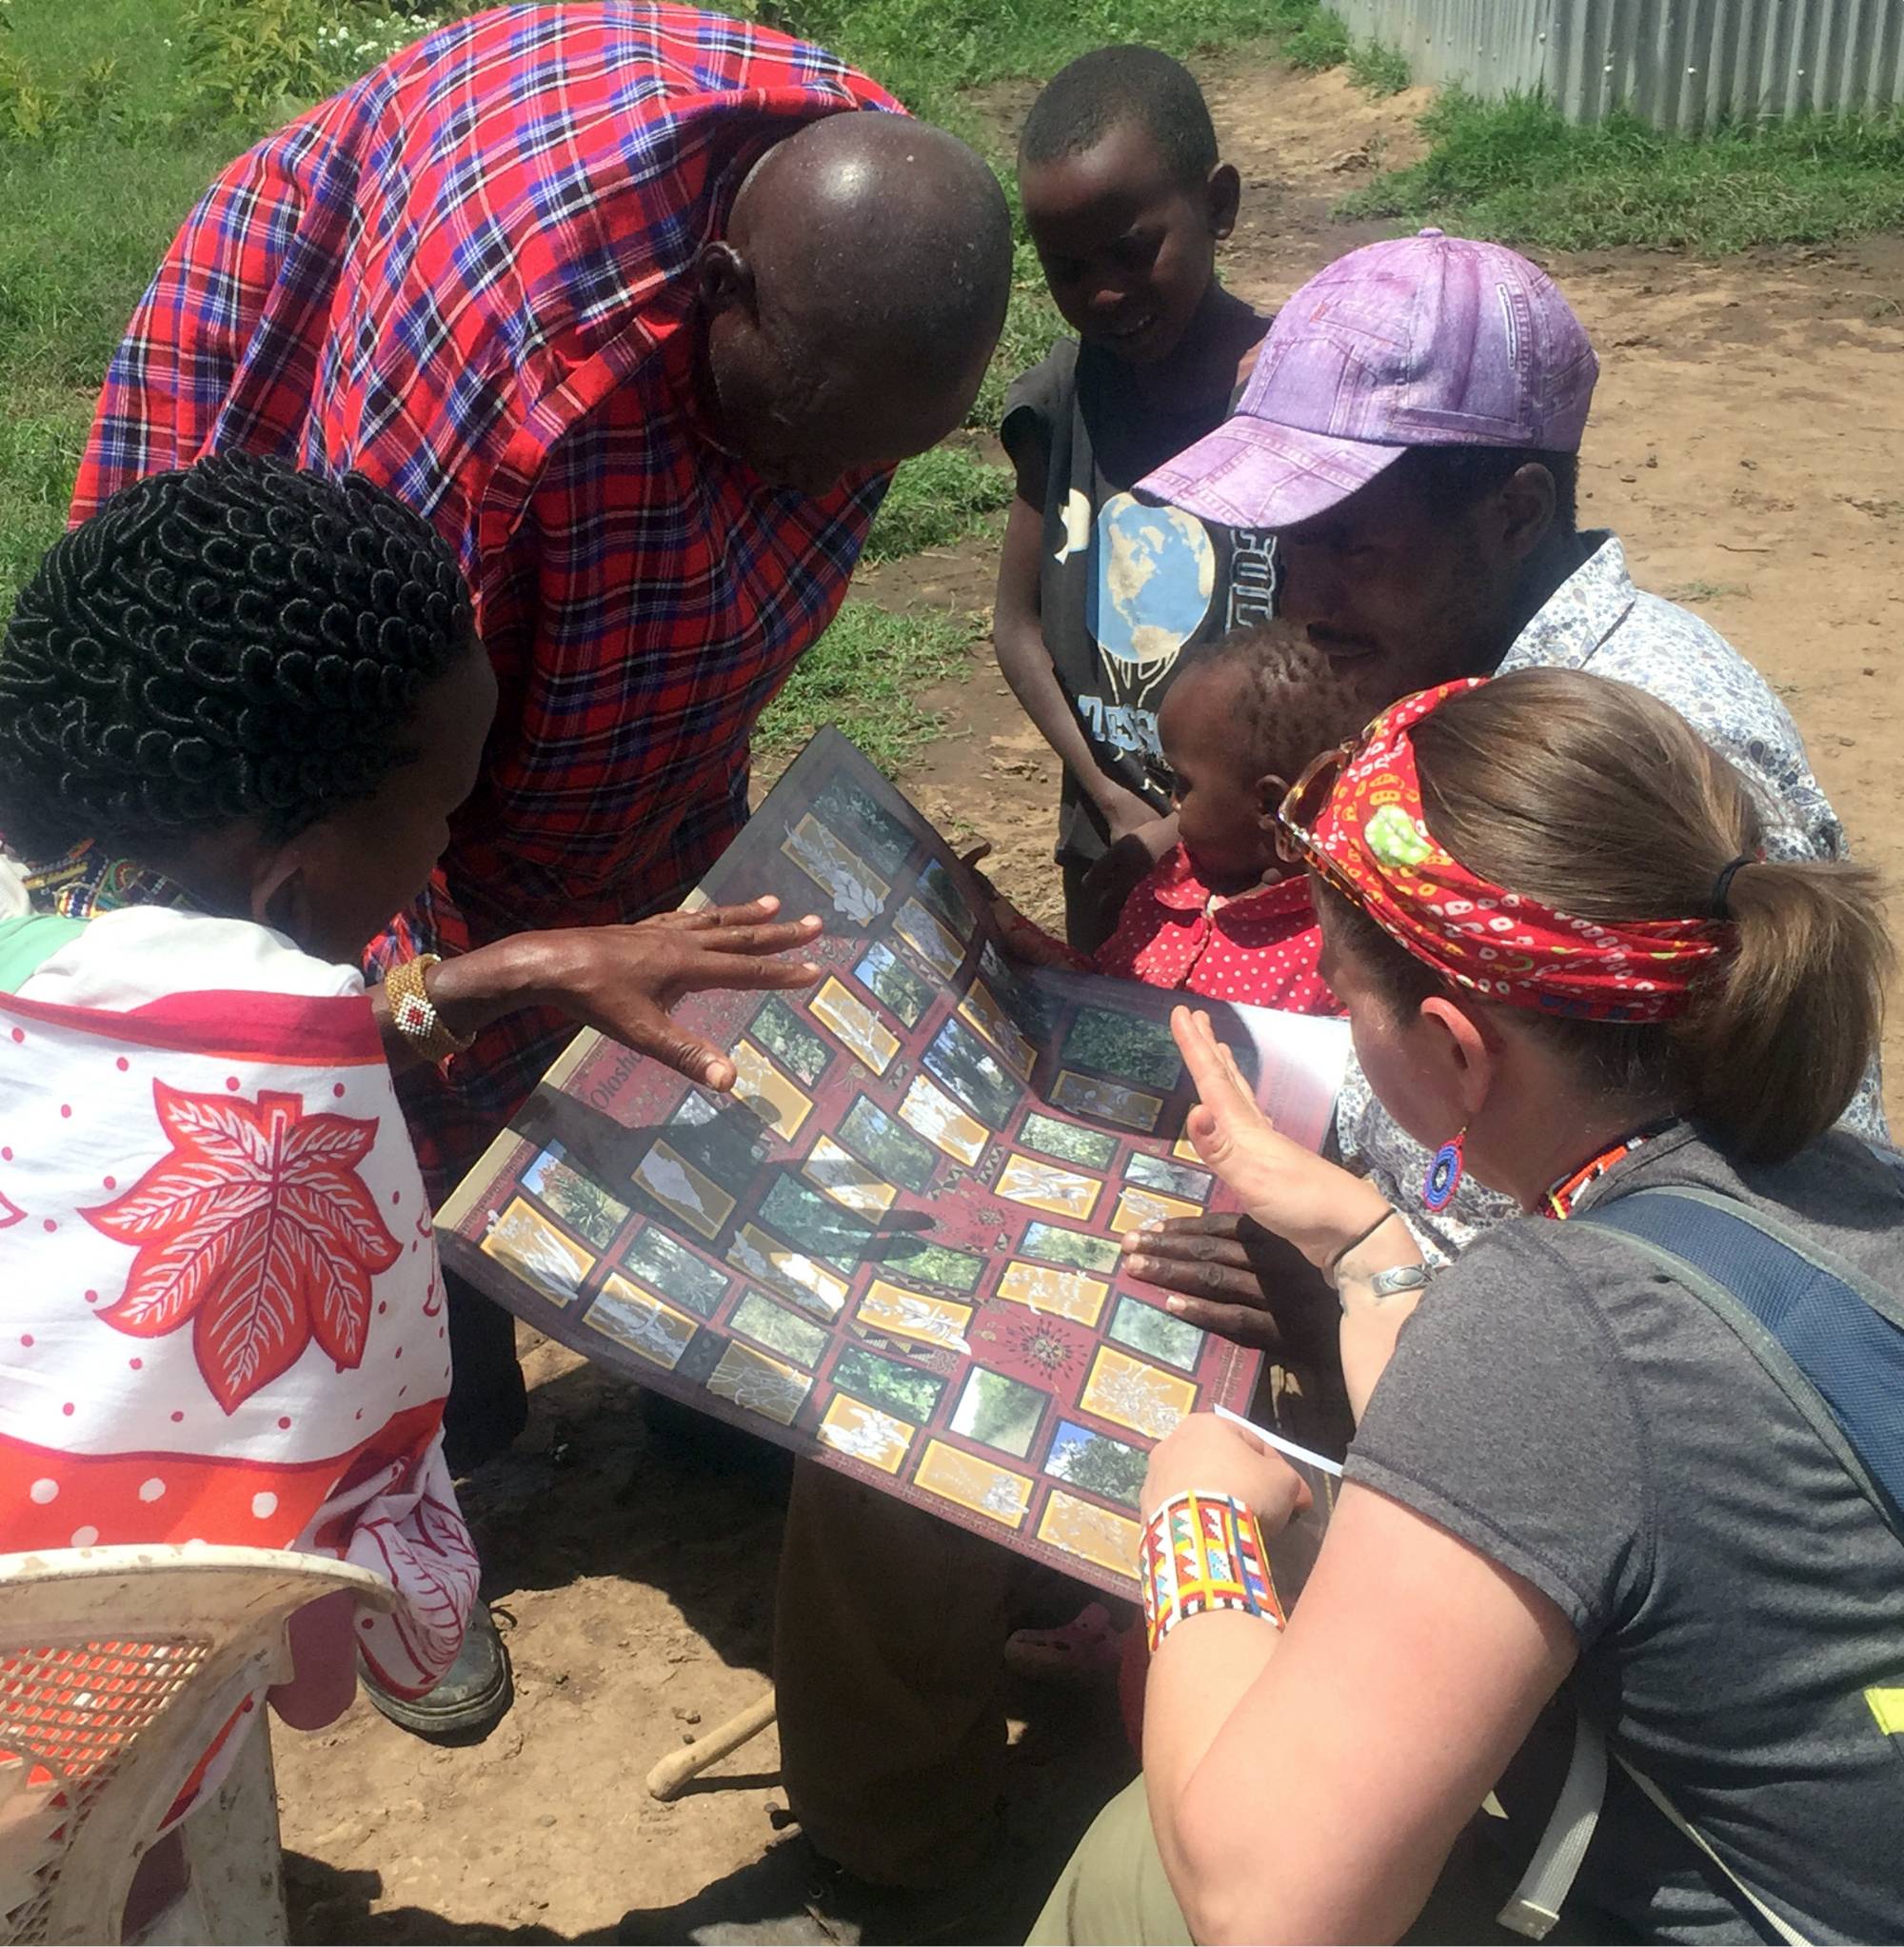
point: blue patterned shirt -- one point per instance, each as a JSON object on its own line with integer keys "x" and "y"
{"x": 1597, "y": 621}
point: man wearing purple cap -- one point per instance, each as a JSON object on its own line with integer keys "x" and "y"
{"x": 1411, "y": 434}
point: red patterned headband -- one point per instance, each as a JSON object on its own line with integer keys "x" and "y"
{"x": 1370, "y": 840}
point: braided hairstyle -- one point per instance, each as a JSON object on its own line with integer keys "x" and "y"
{"x": 234, "y": 641}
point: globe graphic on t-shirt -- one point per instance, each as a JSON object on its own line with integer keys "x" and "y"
{"x": 1157, "y": 571}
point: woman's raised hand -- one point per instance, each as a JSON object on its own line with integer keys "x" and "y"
{"x": 1317, "y": 1206}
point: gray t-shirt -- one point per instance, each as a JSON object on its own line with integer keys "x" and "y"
{"x": 1583, "y": 1420}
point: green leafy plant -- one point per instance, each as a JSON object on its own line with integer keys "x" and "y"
{"x": 250, "y": 60}
{"x": 36, "y": 108}
{"x": 1378, "y": 69}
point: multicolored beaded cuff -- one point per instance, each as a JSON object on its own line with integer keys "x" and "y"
{"x": 1202, "y": 1551}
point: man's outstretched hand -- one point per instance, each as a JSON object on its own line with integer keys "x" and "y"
{"x": 1229, "y": 1275}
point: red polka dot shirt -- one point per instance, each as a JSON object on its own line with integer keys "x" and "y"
{"x": 1260, "y": 947}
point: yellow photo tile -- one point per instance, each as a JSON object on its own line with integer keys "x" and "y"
{"x": 981, "y": 1485}
{"x": 1134, "y": 1395}
{"x": 1080, "y": 1527}
{"x": 638, "y": 1320}
{"x": 804, "y": 1279}
{"x": 1138, "y": 1207}
{"x": 1063, "y": 1294}
{"x": 942, "y": 1123}
{"x": 1110, "y": 1102}
{"x": 1045, "y": 1186}
{"x": 848, "y": 1181}
{"x": 670, "y": 1179}
{"x": 941, "y": 948}
{"x": 540, "y": 1255}
{"x": 902, "y": 1313}
{"x": 1187, "y": 1149}
{"x": 984, "y": 1013}
{"x": 767, "y": 1092}
{"x": 868, "y": 1037}
{"x": 865, "y": 1433}
{"x": 761, "y": 1385}
{"x": 857, "y": 891}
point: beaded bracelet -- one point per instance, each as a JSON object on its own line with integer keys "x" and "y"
{"x": 414, "y": 1013}
{"x": 1202, "y": 1551}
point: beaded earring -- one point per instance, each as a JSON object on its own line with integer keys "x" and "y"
{"x": 1445, "y": 1173}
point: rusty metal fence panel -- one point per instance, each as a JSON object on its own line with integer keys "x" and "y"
{"x": 1681, "y": 64}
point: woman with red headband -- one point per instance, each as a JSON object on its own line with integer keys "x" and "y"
{"x": 1604, "y": 1455}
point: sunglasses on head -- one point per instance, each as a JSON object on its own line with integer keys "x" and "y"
{"x": 1302, "y": 804}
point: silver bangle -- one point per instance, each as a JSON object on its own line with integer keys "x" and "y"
{"x": 1392, "y": 1282}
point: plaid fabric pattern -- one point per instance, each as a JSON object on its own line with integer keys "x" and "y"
{"x": 468, "y": 277}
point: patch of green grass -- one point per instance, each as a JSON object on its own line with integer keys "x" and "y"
{"x": 41, "y": 436}
{"x": 1379, "y": 70}
{"x": 936, "y": 499}
{"x": 1515, "y": 170}
{"x": 864, "y": 675}
{"x": 1704, "y": 591}
{"x": 929, "y": 51}
{"x": 1319, "y": 42}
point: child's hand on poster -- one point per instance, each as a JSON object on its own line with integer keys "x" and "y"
{"x": 1025, "y": 938}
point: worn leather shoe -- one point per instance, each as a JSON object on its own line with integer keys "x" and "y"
{"x": 473, "y": 1698}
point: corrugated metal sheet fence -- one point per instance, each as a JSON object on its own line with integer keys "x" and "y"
{"x": 1682, "y": 63}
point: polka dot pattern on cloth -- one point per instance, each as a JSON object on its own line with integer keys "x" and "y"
{"x": 1260, "y": 948}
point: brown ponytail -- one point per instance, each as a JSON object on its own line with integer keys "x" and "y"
{"x": 1600, "y": 800}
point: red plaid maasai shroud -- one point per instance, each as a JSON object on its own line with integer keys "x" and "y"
{"x": 468, "y": 276}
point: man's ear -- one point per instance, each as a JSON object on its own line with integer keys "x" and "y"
{"x": 723, "y": 280}
{"x": 1222, "y": 193}
{"x": 1526, "y": 507}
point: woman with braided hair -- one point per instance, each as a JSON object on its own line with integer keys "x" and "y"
{"x": 237, "y": 708}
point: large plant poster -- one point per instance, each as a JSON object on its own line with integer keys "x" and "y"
{"x": 893, "y": 1246}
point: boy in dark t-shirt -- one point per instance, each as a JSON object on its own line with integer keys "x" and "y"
{"x": 1098, "y": 593}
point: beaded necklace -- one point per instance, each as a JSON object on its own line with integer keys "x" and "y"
{"x": 1558, "y": 1200}
{"x": 89, "y": 880}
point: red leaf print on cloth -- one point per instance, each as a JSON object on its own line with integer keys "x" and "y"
{"x": 9, "y": 1213}
{"x": 256, "y": 1227}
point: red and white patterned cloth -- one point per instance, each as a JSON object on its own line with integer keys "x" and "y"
{"x": 221, "y": 1317}
{"x": 1370, "y": 842}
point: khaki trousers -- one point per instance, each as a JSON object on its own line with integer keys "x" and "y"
{"x": 1114, "y": 1889}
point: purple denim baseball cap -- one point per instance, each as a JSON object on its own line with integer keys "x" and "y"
{"x": 1428, "y": 341}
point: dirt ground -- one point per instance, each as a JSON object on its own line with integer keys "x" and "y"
{"x": 1744, "y": 444}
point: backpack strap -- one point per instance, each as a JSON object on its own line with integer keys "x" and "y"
{"x": 1832, "y": 1338}
{"x": 1834, "y": 1343}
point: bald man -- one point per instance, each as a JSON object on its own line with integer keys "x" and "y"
{"x": 639, "y": 308}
